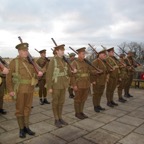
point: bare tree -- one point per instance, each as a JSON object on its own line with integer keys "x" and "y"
{"x": 137, "y": 48}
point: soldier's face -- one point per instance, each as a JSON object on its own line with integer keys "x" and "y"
{"x": 102, "y": 56}
{"x": 43, "y": 54}
{"x": 60, "y": 52}
{"x": 111, "y": 53}
{"x": 81, "y": 55}
{"x": 23, "y": 53}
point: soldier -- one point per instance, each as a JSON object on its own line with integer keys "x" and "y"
{"x": 43, "y": 63}
{"x": 70, "y": 89}
{"x": 124, "y": 77}
{"x": 129, "y": 60}
{"x": 20, "y": 83}
{"x": 2, "y": 88}
{"x": 57, "y": 81}
{"x": 100, "y": 80}
{"x": 113, "y": 78}
{"x": 80, "y": 83}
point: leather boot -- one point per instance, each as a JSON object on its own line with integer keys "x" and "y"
{"x": 79, "y": 116}
{"x": 63, "y": 122}
{"x": 41, "y": 102}
{"x": 58, "y": 124}
{"x": 101, "y": 108}
{"x": 28, "y": 131}
{"x": 45, "y": 101}
{"x": 26, "y": 127}
{"x": 96, "y": 109}
{"x": 22, "y": 133}
{"x": 20, "y": 121}
{"x": 110, "y": 104}
{"x": 2, "y": 111}
{"x": 85, "y": 116}
{"x": 113, "y": 103}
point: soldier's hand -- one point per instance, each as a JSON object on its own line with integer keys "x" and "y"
{"x": 74, "y": 71}
{"x": 75, "y": 88}
{"x": 40, "y": 73}
{"x": 5, "y": 70}
{"x": 120, "y": 79}
{"x": 99, "y": 72}
{"x": 94, "y": 83}
{"x": 12, "y": 93}
{"x": 50, "y": 90}
{"x": 112, "y": 69}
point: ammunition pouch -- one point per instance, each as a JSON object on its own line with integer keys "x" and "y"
{"x": 83, "y": 75}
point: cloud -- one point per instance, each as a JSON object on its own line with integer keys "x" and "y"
{"x": 75, "y": 23}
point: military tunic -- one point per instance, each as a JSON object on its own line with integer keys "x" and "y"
{"x": 57, "y": 79}
{"x": 112, "y": 79}
{"x": 123, "y": 76}
{"x": 82, "y": 80}
{"x": 100, "y": 80}
{"x": 129, "y": 60}
{"x": 22, "y": 87}
{"x": 43, "y": 63}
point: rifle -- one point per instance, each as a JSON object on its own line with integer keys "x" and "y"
{"x": 127, "y": 54}
{"x": 45, "y": 57}
{"x": 3, "y": 62}
{"x": 30, "y": 59}
{"x": 88, "y": 62}
{"x": 97, "y": 54}
{"x": 64, "y": 58}
{"x": 115, "y": 57}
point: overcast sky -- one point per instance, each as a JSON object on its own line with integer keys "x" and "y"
{"x": 74, "y": 23}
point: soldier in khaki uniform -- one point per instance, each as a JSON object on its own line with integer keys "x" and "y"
{"x": 20, "y": 83}
{"x": 129, "y": 60}
{"x": 43, "y": 63}
{"x": 99, "y": 81}
{"x": 81, "y": 83}
{"x": 70, "y": 89}
{"x": 57, "y": 81}
{"x": 113, "y": 77}
{"x": 123, "y": 76}
{"x": 3, "y": 73}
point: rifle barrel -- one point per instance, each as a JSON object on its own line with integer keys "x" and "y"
{"x": 54, "y": 41}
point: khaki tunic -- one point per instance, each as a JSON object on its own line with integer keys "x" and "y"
{"x": 113, "y": 78}
{"x": 82, "y": 82}
{"x": 100, "y": 80}
{"x": 130, "y": 62}
{"x": 57, "y": 84}
{"x": 123, "y": 76}
{"x": 24, "y": 92}
{"x": 43, "y": 63}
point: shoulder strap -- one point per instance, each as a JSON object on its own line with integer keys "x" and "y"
{"x": 16, "y": 63}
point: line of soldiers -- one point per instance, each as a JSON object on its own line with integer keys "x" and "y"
{"x": 55, "y": 76}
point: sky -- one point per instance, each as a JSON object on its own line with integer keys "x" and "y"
{"x": 74, "y": 23}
